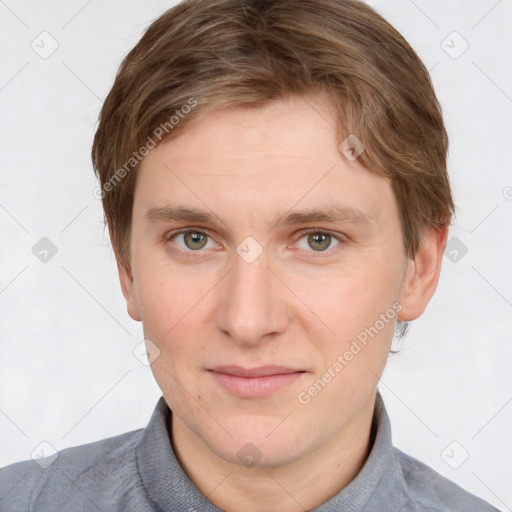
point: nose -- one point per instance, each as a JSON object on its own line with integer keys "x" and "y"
{"x": 252, "y": 307}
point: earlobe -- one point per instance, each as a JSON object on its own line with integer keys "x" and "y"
{"x": 126, "y": 280}
{"x": 422, "y": 275}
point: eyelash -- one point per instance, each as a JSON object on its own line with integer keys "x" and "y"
{"x": 319, "y": 254}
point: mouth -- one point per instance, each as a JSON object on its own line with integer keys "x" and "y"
{"x": 257, "y": 382}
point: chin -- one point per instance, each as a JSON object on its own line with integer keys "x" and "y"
{"x": 252, "y": 455}
{"x": 261, "y": 444}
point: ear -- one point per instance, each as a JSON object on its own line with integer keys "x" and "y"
{"x": 126, "y": 279}
{"x": 422, "y": 274}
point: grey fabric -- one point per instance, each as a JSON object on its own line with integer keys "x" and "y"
{"x": 139, "y": 472}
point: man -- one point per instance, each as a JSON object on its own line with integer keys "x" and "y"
{"x": 273, "y": 175}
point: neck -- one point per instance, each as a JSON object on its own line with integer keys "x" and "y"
{"x": 303, "y": 484}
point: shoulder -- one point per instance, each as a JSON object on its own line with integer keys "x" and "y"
{"x": 431, "y": 492}
{"x": 23, "y": 483}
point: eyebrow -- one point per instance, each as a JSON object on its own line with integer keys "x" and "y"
{"x": 332, "y": 214}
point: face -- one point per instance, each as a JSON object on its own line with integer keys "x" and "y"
{"x": 260, "y": 256}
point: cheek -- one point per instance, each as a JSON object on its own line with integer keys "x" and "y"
{"x": 164, "y": 293}
{"x": 171, "y": 316}
{"x": 173, "y": 311}
{"x": 350, "y": 364}
{"x": 346, "y": 299}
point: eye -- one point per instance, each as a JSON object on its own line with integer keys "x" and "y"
{"x": 191, "y": 240}
{"x": 319, "y": 241}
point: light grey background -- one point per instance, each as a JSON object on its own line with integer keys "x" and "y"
{"x": 68, "y": 375}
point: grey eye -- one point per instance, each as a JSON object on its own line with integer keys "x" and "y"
{"x": 191, "y": 240}
{"x": 319, "y": 242}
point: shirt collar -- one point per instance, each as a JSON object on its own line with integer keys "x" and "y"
{"x": 378, "y": 486}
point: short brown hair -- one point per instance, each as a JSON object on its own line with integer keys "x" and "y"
{"x": 220, "y": 53}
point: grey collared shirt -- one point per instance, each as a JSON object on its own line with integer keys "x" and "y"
{"x": 139, "y": 472}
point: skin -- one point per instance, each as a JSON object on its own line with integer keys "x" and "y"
{"x": 293, "y": 306}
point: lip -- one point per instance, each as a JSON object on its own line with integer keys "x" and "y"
{"x": 257, "y": 382}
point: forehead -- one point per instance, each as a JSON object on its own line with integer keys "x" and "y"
{"x": 276, "y": 158}
{"x": 288, "y": 127}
